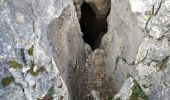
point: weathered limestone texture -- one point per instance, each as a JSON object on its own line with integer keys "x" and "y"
{"x": 137, "y": 48}
{"x": 43, "y": 55}
{"x": 100, "y": 7}
{"x": 65, "y": 38}
{"x": 28, "y": 70}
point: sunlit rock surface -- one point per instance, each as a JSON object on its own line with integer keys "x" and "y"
{"x": 42, "y": 53}
{"x": 28, "y": 70}
{"x": 137, "y": 46}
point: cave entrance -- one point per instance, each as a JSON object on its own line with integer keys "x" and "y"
{"x": 92, "y": 27}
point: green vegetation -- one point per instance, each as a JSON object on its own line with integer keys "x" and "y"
{"x": 51, "y": 91}
{"x": 30, "y": 51}
{"x": 91, "y": 97}
{"x": 15, "y": 65}
{"x": 36, "y": 73}
{"x": 41, "y": 69}
{"x": 162, "y": 64}
{"x": 31, "y": 70}
{"x": 6, "y": 81}
{"x": 110, "y": 97}
{"x": 138, "y": 93}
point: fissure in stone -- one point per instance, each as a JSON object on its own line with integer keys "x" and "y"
{"x": 92, "y": 27}
{"x": 93, "y": 76}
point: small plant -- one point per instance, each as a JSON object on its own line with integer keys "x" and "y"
{"x": 6, "y": 81}
{"x": 50, "y": 94}
{"x": 30, "y": 51}
{"x": 110, "y": 97}
{"x": 51, "y": 91}
{"x": 15, "y": 65}
{"x": 138, "y": 93}
{"x": 91, "y": 97}
{"x": 36, "y": 73}
{"x": 162, "y": 64}
{"x": 41, "y": 69}
{"x": 31, "y": 70}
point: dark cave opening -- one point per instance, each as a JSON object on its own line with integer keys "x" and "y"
{"x": 92, "y": 27}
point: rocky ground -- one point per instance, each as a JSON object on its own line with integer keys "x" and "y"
{"x": 93, "y": 76}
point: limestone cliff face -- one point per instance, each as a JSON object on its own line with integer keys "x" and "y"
{"x": 43, "y": 55}
{"x": 40, "y": 42}
{"x": 137, "y": 47}
{"x": 64, "y": 35}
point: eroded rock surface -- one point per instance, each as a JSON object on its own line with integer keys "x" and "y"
{"x": 137, "y": 46}
{"x": 43, "y": 56}
{"x": 29, "y": 69}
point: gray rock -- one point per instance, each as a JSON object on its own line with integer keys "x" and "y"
{"x": 24, "y": 26}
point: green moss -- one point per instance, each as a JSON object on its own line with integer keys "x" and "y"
{"x": 31, "y": 70}
{"x": 91, "y": 97}
{"x": 41, "y": 69}
{"x": 36, "y": 73}
{"x": 110, "y": 97}
{"x": 162, "y": 64}
{"x": 15, "y": 65}
{"x": 30, "y": 51}
{"x": 6, "y": 81}
{"x": 137, "y": 93}
{"x": 51, "y": 91}
{"x": 50, "y": 94}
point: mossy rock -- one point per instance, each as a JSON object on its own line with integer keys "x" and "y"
{"x": 91, "y": 97}
{"x": 31, "y": 70}
{"x": 137, "y": 93}
{"x": 162, "y": 64}
{"x": 41, "y": 69}
{"x": 36, "y": 73}
{"x": 15, "y": 65}
{"x": 7, "y": 80}
{"x": 51, "y": 91}
{"x": 30, "y": 51}
{"x": 110, "y": 97}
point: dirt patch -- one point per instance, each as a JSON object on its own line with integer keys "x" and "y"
{"x": 93, "y": 77}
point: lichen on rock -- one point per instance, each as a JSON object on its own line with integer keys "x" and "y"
{"x": 7, "y": 81}
{"x": 15, "y": 65}
{"x": 30, "y": 50}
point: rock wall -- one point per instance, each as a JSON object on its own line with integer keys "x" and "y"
{"x": 137, "y": 47}
{"x": 43, "y": 55}
{"x": 65, "y": 38}
{"x": 40, "y": 49}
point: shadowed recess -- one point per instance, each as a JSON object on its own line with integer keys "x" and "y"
{"x": 92, "y": 27}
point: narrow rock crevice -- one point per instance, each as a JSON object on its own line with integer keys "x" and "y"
{"x": 93, "y": 28}
{"x": 93, "y": 78}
